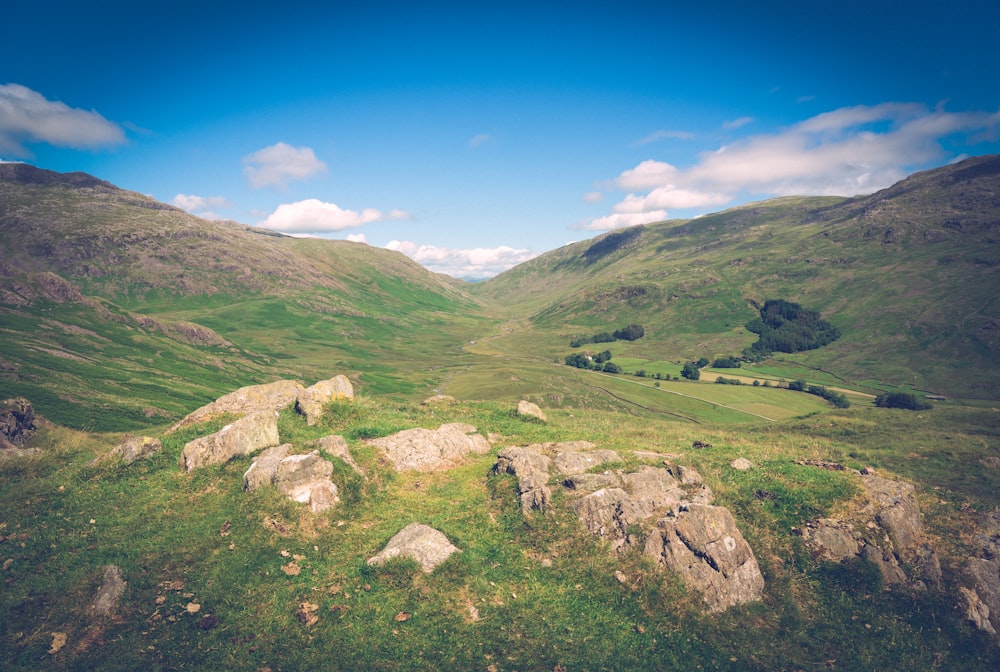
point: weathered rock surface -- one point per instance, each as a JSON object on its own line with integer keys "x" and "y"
{"x": 105, "y": 603}
{"x": 702, "y": 543}
{"x": 336, "y": 446}
{"x": 981, "y": 574}
{"x": 439, "y": 399}
{"x": 135, "y": 448}
{"x": 243, "y": 437}
{"x": 531, "y": 467}
{"x": 251, "y": 399}
{"x": 17, "y": 422}
{"x": 306, "y": 479}
{"x": 697, "y": 540}
{"x": 579, "y": 461}
{"x": 422, "y": 449}
{"x": 526, "y": 409}
{"x": 423, "y": 543}
{"x": 264, "y": 467}
{"x": 311, "y": 401}
{"x": 741, "y": 464}
{"x": 897, "y": 512}
{"x": 301, "y": 478}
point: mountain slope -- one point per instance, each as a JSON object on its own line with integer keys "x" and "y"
{"x": 118, "y": 311}
{"x": 909, "y": 275}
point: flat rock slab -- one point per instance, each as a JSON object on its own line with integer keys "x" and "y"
{"x": 420, "y": 542}
{"x": 243, "y": 437}
{"x": 703, "y": 544}
{"x": 251, "y": 399}
{"x": 422, "y": 449}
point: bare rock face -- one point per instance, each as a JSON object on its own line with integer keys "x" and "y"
{"x": 897, "y": 511}
{"x": 526, "y": 409}
{"x": 423, "y": 543}
{"x": 693, "y": 538}
{"x": 702, "y": 543}
{"x": 336, "y": 446}
{"x": 577, "y": 461}
{"x": 251, "y": 399}
{"x": 105, "y": 603}
{"x": 422, "y": 449}
{"x": 306, "y": 479}
{"x": 981, "y": 573}
{"x": 531, "y": 467}
{"x": 135, "y": 448}
{"x": 17, "y": 422}
{"x": 886, "y": 531}
{"x": 311, "y": 401}
{"x": 301, "y": 478}
{"x": 264, "y": 467}
{"x": 243, "y": 437}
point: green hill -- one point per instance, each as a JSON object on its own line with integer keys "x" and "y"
{"x": 908, "y": 275}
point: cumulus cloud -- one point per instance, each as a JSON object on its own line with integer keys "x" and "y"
{"x": 202, "y": 206}
{"x": 277, "y": 165}
{"x": 470, "y": 264}
{"x": 315, "y": 216}
{"x": 26, "y": 117}
{"x": 593, "y": 197}
{"x": 844, "y": 152}
{"x": 357, "y": 238}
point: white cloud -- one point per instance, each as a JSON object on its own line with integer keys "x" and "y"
{"x": 27, "y": 116}
{"x": 202, "y": 206}
{"x": 357, "y": 238}
{"x": 315, "y": 216}
{"x": 843, "y": 152}
{"x": 278, "y": 164}
{"x": 593, "y": 197}
{"x": 478, "y": 140}
{"x": 662, "y": 134}
{"x": 737, "y": 123}
{"x": 470, "y": 264}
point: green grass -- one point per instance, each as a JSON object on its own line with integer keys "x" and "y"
{"x": 525, "y": 593}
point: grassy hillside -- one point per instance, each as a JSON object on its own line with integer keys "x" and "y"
{"x": 908, "y": 275}
{"x": 118, "y": 311}
{"x": 524, "y": 593}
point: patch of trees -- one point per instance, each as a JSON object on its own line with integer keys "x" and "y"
{"x": 726, "y": 363}
{"x": 784, "y": 326}
{"x": 901, "y": 400}
{"x": 692, "y": 370}
{"x": 599, "y": 362}
{"x": 834, "y": 397}
{"x": 632, "y": 332}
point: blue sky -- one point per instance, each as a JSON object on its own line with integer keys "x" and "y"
{"x": 472, "y": 136}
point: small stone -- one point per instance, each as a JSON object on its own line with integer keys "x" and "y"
{"x": 193, "y": 607}
{"x": 741, "y": 464}
{"x": 58, "y": 642}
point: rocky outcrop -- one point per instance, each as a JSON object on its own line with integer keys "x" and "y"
{"x": 336, "y": 446}
{"x": 526, "y": 409}
{"x": 702, "y": 543}
{"x": 420, "y": 542}
{"x": 422, "y": 449}
{"x": 981, "y": 576}
{"x": 311, "y": 401}
{"x": 886, "y": 529}
{"x": 665, "y": 511}
{"x": 251, "y": 399}
{"x": 135, "y": 448}
{"x": 243, "y": 437}
{"x": 301, "y": 478}
{"x": 17, "y": 422}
